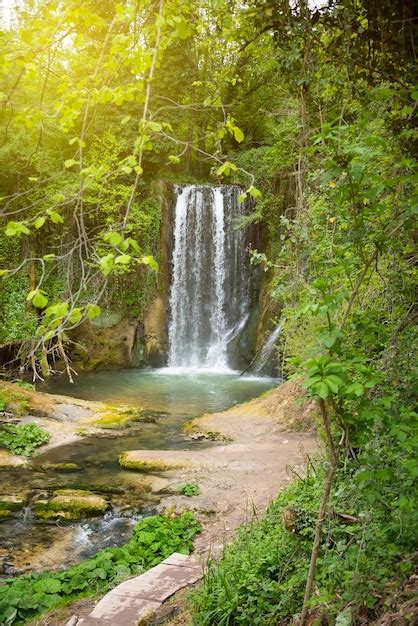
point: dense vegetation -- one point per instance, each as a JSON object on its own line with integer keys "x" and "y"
{"x": 313, "y": 112}
{"x": 153, "y": 540}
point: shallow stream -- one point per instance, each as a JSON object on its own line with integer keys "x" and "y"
{"x": 169, "y": 398}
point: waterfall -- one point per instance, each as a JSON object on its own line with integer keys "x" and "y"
{"x": 266, "y": 352}
{"x": 209, "y": 297}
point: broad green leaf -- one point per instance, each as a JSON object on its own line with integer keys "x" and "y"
{"x": 57, "y": 310}
{"x": 123, "y": 259}
{"x": 106, "y": 263}
{"x": 173, "y": 159}
{"x": 238, "y": 134}
{"x": 69, "y": 163}
{"x": 55, "y": 217}
{"x": 226, "y": 169}
{"x": 92, "y": 311}
{"x": 39, "y": 300}
{"x": 242, "y": 197}
{"x": 39, "y": 222}
{"x": 321, "y": 390}
{"x": 356, "y": 389}
{"x": 113, "y": 238}
{"x": 75, "y": 315}
{"x": 47, "y": 585}
{"x": 125, "y": 120}
{"x": 149, "y": 260}
{"x": 14, "y": 229}
{"x": 254, "y": 192}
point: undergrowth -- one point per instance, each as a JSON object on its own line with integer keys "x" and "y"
{"x": 368, "y": 546}
{"x": 153, "y": 540}
{"x": 23, "y": 439}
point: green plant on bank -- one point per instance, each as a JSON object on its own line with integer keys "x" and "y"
{"x": 189, "y": 489}
{"x": 153, "y": 540}
{"x": 23, "y": 439}
{"x": 368, "y": 547}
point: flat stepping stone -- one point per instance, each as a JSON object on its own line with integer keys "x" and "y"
{"x": 138, "y": 598}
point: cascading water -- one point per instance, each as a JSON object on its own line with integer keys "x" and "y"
{"x": 266, "y": 353}
{"x": 209, "y": 298}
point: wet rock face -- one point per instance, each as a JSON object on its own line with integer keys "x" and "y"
{"x": 113, "y": 343}
{"x": 70, "y": 505}
{"x": 155, "y": 333}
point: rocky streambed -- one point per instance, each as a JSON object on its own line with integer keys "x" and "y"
{"x": 74, "y": 497}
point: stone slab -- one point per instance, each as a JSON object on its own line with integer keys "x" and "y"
{"x": 159, "y": 583}
{"x": 138, "y": 598}
{"x": 182, "y": 560}
{"x": 120, "y": 611}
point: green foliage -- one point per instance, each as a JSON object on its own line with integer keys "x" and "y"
{"x": 16, "y": 321}
{"x": 23, "y": 439}
{"x": 189, "y": 489}
{"x": 153, "y": 540}
{"x": 261, "y": 577}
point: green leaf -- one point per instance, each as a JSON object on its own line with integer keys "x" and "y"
{"x": 355, "y": 389}
{"x": 242, "y": 197}
{"x": 106, "y": 264}
{"x": 149, "y": 260}
{"x": 125, "y": 120}
{"x": 57, "y": 310}
{"x": 173, "y": 159}
{"x": 92, "y": 311}
{"x": 69, "y": 163}
{"x": 39, "y": 300}
{"x": 47, "y": 585}
{"x": 123, "y": 259}
{"x": 321, "y": 390}
{"x": 130, "y": 243}
{"x": 254, "y": 192}
{"x": 39, "y": 222}
{"x": 226, "y": 169}
{"x": 4, "y": 272}
{"x": 113, "y": 237}
{"x": 55, "y": 217}
{"x": 238, "y": 134}
{"x": 14, "y": 229}
{"x": 75, "y": 316}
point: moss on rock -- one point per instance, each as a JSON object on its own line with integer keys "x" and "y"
{"x": 12, "y": 503}
{"x": 128, "y": 460}
{"x": 71, "y": 504}
{"x": 114, "y": 417}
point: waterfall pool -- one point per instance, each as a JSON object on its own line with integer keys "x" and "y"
{"x": 170, "y": 398}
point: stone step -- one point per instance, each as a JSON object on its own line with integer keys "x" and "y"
{"x": 137, "y": 599}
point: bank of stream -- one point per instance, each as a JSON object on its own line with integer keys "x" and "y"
{"x": 166, "y": 400}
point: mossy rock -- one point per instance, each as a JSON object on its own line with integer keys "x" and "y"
{"x": 12, "y": 503}
{"x": 60, "y": 467}
{"x": 5, "y": 515}
{"x": 128, "y": 460}
{"x": 71, "y": 505}
{"x": 114, "y": 418}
